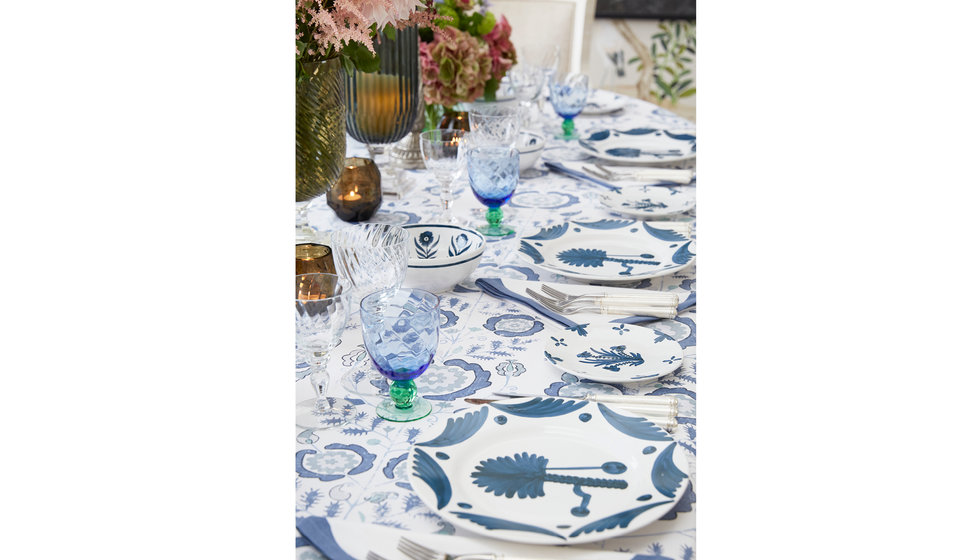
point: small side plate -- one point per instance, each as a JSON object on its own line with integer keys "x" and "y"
{"x": 615, "y": 354}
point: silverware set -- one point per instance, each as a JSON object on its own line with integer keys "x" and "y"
{"x": 646, "y": 304}
{"x": 639, "y": 174}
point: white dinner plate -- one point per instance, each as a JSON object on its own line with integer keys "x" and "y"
{"x": 640, "y": 145}
{"x": 649, "y": 201}
{"x": 616, "y": 354}
{"x": 601, "y": 102}
{"x": 548, "y": 471}
{"x": 608, "y": 250}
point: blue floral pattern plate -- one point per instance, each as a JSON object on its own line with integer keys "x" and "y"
{"x": 548, "y": 470}
{"x": 640, "y": 145}
{"x": 608, "y": 250}
{"x": 650, "y": 201}
{"x": 615, "y": 354}
{"x": 602, "y": 102}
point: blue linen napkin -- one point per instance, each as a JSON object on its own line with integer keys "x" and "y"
{"x": 496, "y": 288}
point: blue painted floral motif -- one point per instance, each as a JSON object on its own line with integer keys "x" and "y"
{"x": 663, "y": 234}
{"x": 621, "y": 519}
{"x": 548, "y": 233}
{"x": 425, "y": 245}
{"x": 579, "y": 329}
{"x": 551, "y": 358}
{"x": 510, "y": 368}
{"x": 459, "y": 429}
{"x": 513, "y": 325}
{"x": 633, "y": 426}
{"x": 530, "y": 251}
{"x": 667, "y": 478}
{"x": 644, "y": 204}
{"x": 611, "y": 359}
{"x": 597, "y": 258}
{"x": 672, "y": 359}
{"x": 559, "y": 341}
{"x": 367, "y": 461}
{"x": 450, "y": 319}
{"x": 621, "y": 328}
{"x": 426, "y": 468}
{"x": 459, "y": 244}
{"x": 540, "y": 407}
{"x": 683, "y": 255}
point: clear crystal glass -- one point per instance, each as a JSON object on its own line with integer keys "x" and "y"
{"x": 493, "y": 174}
{"x": 322, "y": 309}
{"x": 441, "y": 149}
{"x": 490, "y": 130}
{"x": 372, "y": 257}
{"x": 401, "y": 333}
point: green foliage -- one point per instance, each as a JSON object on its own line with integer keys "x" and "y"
{"x": 672, "y": 67}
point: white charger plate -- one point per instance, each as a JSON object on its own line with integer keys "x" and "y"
{"x": 608, "y": 250}
{"x": 548, "y": 471}
{"x": 616, "y": 354}
{"x": 650, "y": 201}
{"x": 640, "y": 145}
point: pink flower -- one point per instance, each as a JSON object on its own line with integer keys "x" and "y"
{"x": 455, "y": 67}
{"x": 502, "y": 52}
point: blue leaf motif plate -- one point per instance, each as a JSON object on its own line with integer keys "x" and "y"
{"x": 640, "y": 145}
{"x": 548, "y": 470}
{"x": 609, "y": 250}
{"x": 649, "y": 201}
{"x": 617, "y": 354}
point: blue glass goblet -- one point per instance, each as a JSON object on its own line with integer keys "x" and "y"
{"x": 401, "y": 333}
{"x": 493, "y": 172}
{"x": 569, "y": 94}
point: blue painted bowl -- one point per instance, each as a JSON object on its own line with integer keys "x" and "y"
{"x": 441, "y": 255}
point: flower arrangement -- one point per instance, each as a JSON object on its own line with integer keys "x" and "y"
{"x": 464, "y": 55}
{"x": 347, "y": 28}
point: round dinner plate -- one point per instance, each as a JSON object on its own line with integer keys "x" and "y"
{"x": 616, "y": 354}
{"x": 640, "y": 145}
{"x": 650, "y": 201}
{"x": 608, "y": 250}
{"x": 548, "y": 471}
{"x": 601, "y": 102}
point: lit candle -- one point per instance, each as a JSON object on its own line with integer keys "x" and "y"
{"x": 351, "y": 196}
{"x": 378, "y": 97}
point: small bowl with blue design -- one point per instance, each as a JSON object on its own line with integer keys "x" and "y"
{"x": 530, "y": 146}
{"x": 441, "y": 255}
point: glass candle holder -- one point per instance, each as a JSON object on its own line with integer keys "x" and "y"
{"x": 313, "y": 258}
{"x": 356, "y": 195}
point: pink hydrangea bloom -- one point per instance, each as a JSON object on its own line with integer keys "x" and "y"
{"x": 503, "y": 55}
{"x": 455, "y": 67}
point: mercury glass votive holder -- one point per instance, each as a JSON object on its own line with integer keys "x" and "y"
{"x": 356, "y": 196}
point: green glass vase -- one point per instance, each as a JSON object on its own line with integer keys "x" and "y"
{"x": 321, "y": 130}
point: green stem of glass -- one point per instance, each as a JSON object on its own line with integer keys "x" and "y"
{"x": 494, "y": 215}
{"x": 568, "y": 128}
{"x": 403, "y": 393}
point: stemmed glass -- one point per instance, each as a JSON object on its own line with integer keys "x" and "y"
{"x": 371, "y": 257}
{"x": 527, "y": 81}
{"x": 401, "y": 334}
{"x": 569, "y": 94}
{"x": 322, "y": 310}
{"x": 494, "y": 129}
{"x": 493, "y": 173}
{"x": 441, "y": 153}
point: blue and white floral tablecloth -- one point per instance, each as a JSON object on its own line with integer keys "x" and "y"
{"x": 358, "y": 471}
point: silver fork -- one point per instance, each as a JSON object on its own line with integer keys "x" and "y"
{"x": 373, "y": 556}
{"x": 416, "y": 551}
{"x": 651, "y": 298}
{"x": 603, "y": 308}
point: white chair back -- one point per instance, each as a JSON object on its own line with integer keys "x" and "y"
{"x": 538, "y": 24}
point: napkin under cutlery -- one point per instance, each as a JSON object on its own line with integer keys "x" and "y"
{"x": 576, "y": 169}
{"x": 347, "y": 540}
{"x": 514, "y": 290}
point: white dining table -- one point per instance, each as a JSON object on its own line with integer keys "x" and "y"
{"x": 357, "y": 473}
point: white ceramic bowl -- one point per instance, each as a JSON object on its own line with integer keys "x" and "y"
{"x": 530, "y": 146}
{"x": 441, "y": 255}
